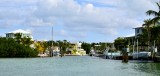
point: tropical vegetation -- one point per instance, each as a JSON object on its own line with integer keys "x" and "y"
{"x": 150, "y": 36}
{"x": 9, "y": 47}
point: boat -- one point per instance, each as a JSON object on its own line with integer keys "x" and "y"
{"x": 111, "y": 55}
{"x": 92, "y": 53}
{"x": 55, "y": 53}
{"x": 141, "y": 55}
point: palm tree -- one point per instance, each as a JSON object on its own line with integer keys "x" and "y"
{"x": 147, "y": 24}
{"x": 155, "y": 13}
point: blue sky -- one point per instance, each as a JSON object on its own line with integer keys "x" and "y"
{"x": 74, "y": 20}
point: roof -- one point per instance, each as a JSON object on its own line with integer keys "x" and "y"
{"x": 19, "y": 31}
{"x": 137, "y": 27}
{"x": 131, "y": 35}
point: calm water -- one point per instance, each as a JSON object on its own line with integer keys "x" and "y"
{"x": 75, "y": 66}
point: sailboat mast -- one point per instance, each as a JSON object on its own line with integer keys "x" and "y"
{"x": 52, "y": 35}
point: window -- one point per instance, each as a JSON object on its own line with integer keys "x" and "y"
{"x": 137, "y": 30}
{"x": 7, "y": 35}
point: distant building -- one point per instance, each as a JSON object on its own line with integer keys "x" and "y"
{"x": 77, "y": 47}
{"x": 138, "y": 31}
{"x": 23, "y": 33}
{"x": 55, "y": 50}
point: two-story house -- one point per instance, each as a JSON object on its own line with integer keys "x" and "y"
{"x": 23, "y": 33}
{"x": 138, "y": 31}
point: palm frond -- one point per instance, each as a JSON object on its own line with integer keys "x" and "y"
{"x": 152, "y": 12}
{"x": 158, "y": 4}
{"x": 147, "y": 23}
{"x": 156, "y": 19}
{"x": 144, "y": 25}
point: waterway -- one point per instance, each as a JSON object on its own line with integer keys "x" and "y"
{"x": 75, "y": 66}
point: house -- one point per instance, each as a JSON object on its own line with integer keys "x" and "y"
{"x": 77, "y": 46}
{"x": 138, "y": 31}
{"x": 76, "y": 49}
{"x": 56, "y": 50}
{"x": 23, "y": 33}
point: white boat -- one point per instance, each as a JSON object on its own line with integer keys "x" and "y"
{"x": 111, "y": 55}
{"x": 55, "y": 53}
{"x": 141, "y": 55}
{"x": 92, "y": 53}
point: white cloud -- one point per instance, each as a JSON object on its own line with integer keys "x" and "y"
{"x": 79, "y": 17}
{"x": 61, "y": 33}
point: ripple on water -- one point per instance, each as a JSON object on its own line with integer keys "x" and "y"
{"x": 75, "y": 66}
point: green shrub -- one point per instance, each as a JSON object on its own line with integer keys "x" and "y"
{"x": 10, "y": 48}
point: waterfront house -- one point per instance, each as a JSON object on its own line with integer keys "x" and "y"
{"x": 76, "y": 49}
{"x": 56, "y": 50}
{"x": 22, "y": 32}
{"x": 138, "y": 31}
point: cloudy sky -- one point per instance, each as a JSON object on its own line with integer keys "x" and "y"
{"x": 74, "y": 20}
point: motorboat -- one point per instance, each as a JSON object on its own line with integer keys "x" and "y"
{"x": 141, "y": 55}
{"x": 92, "y": 53}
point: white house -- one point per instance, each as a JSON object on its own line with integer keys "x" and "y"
{"x": 24, "y": 33}
{"x": 138, "y": 31}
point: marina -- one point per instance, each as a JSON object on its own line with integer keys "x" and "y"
{"x": 80, "y": 38}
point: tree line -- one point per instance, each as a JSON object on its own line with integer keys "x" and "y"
{"x": 10, "y": 47}
{"x": 65, "y": 45}
{"x": 26, "y": 47}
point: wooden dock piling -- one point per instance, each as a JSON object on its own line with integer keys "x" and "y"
{"x": 124, "y": 56}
